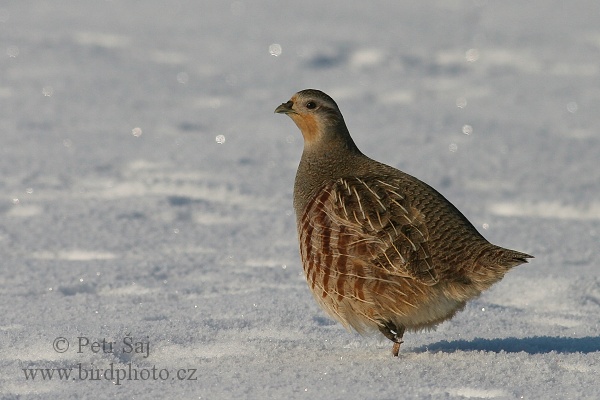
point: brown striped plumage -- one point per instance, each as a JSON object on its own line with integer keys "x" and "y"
{"x": 381, "y": 249}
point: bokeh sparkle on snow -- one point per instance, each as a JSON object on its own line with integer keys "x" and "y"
{"x": 275, "y": 49}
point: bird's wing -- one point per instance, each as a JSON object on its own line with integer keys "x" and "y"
{"x": 389, "y": 233}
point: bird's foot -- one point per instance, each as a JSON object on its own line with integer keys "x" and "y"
{"x": 396, "y": 348}
{"x": 395, "y": 334}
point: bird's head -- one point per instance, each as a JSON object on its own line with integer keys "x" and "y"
{"x": 316, "y": 115}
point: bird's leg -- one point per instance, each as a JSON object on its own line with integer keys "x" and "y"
{"x": 394, "y": 333}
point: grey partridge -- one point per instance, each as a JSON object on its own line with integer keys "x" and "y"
{"x": 380, "y": 249}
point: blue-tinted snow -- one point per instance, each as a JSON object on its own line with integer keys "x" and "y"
{"x": 122, "y": 216}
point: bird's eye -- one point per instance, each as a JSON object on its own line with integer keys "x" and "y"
{"x": 311, "y": 104}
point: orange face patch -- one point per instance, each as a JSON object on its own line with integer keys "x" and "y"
{"x": 308, "y": 125}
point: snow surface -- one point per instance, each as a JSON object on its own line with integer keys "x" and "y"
{"x": 121, "y": 216}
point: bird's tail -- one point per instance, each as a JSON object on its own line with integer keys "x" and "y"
{"x": 511, "y": 258}
{"x": 493, "y": 263}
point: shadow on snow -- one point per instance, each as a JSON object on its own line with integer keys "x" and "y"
{"x": 530, "y": 345}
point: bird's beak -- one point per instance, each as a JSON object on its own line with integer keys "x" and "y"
{"x": 285, "y": 108}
